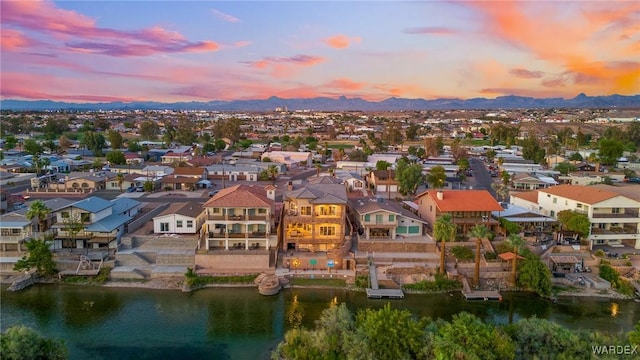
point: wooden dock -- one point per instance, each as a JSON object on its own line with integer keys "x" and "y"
{"x": 374, "y": 292}
{"x": 478, "y": 295}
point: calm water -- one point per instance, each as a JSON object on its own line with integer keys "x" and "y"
{"x": 238, "y": 323}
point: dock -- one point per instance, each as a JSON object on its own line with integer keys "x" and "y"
{"x": 374, "y": 292}
{"x": 478, "y": 295}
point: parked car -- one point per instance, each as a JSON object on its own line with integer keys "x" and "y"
{"x": 140, "y": 189}
{"x": 131, "y": 189}
{"x": 213, "y": 193}
{"x": 635, "y": 180}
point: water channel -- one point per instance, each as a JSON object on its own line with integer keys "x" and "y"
{"x": 238, "y": 323}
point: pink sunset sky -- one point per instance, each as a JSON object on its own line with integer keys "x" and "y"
{"x": 98, "y": 51}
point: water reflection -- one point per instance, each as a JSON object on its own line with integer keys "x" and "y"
{"x": 82, "y": 308}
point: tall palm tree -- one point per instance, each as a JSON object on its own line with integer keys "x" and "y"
{"x": 120, "y": 180}
{"x": 516, "y": 242}
{"x": 480, "y": 231}
{"x": 444, "y": 230}
{"x": 38, "y": 210}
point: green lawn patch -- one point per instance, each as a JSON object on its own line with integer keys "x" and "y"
{"x": 318, "y": 282}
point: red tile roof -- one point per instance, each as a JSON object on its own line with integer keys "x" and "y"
{"x": 584, "y": 194}
{"x": 240, "y": 196}
{"x": 188, "y": 171}
{"x": 531, "y": 196}
{"x": 464, "y": 200}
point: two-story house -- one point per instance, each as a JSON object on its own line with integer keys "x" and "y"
{"x": 180, "y": 218}
{"x": 615, "y": 218}
{"x": 383, "y": 181}
{"x": 240, "y": 217}
{"x": 379, "y": 219}
{"x": 466, "y": 207}
{"x": 15, "y": 228}
{"x": 93, "y": 222}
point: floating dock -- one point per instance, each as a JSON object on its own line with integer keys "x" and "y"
{"x": 374, "y": 292}
{"x": 478, "y": 295}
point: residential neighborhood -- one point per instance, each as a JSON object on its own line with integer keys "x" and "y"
{"x": 329, "y": 204}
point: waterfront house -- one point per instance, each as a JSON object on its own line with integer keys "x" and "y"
{"x": 180, "y": 218}
{"x": 614, "y": 217}
{"x": 383, "y": 181}
{"x": 466, "y": 207}
{"x": 93, "y": 222}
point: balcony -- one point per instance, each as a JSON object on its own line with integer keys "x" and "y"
{"x": 238, "y": 235}
{"x": 629, "y": 214}
{"x": 220, "y": 217}
{"x": 24, "y": 236}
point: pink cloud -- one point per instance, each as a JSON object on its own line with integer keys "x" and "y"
{"x": 344, "y": 84}
{"x": 430, "y": 30}
{"x": 45, "y": 17}
{"x": 12, "y": 40}
{"x": 226, "y": 17}
{"x": 341, "y": 41}
{"x": 555, "y": 82}
{"x": 526, "y": 74}
{"x": 520, "y": 92}
{"x": 240, "y": 44}
{"x": 282, "y": 67}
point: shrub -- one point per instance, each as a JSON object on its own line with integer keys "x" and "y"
{"x": 462, "y": 253}
{"x": 362, "y": 281}
{"x": 490, "y": 256}
{"x": 440, "y": 284}
{"x": 599, "y": 253}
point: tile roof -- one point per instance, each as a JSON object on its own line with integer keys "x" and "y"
{"x": 632, "y": 191}
{"x": 320, "y": 194}
{"x": 464, "y": 200}
{"x": 240, "y": 196}
{"x": 188, "y": 171}
{"x": 585, "y": 194}
{"x": 530, "y": 196}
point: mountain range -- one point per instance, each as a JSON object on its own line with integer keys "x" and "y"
{"x": 339, "y": 104}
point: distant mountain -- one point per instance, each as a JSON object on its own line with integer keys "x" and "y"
{"x": 340, "y": 104}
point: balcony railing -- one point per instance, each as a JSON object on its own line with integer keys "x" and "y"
{"x": 237, "y": 217}
{"x": 23, "y": 236}
{"x": 625, "y": 215}
{"x": 237, "y": 235}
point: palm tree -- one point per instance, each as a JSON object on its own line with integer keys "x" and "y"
{"x": 516, "y": 242}
{"x": 480, "y": 231}
{"x": 318, "y": 168}
{"x": 38, "y": 210}
{"x": 444, "y": 230}
{"x": 120, "y": 179}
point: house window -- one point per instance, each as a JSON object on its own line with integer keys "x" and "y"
{"x": 431, "y": 208}
{"x": 327, "y": 230}
{"x": 114, "y": 184}
{"x": 615, "y": 211}
{"x": 378, "y": 219}
{"x": 179, "y": 223}
{"x": 262, "y": 211}
{"x": 305, "y": 210}
{"x": 85, "y": 217}
{"x": 216, "y": 210}
{"x": 392, "y": 217}
{"x": 553, "y": 213}
{"x": 579, "y": 206}
{"x": 64, "y": 214}
{"x": 367, "y": 217}
{"x": 164, "y": 226}
{"x": 189, "y": 223}
{"x": 555, "y": 200}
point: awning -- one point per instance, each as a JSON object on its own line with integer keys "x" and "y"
{"x": 529, "y": 219}
{"x": 207, "y": 183}
{"x": 564, "y": 259}
{"x": 508, "y": 256}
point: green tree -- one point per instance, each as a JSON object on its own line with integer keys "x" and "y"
{"x": 39, "y": 257}
{"x": 463, "y": 164}
{"x": 479, "y": 232}
{"x": 610, "y": 150}
{"x": 467, "y": 337}
{"x": 444, "y": 230}
{"x": 382, "y": 165}
{"x": 409, "y": 176}
{"x": 565, "y": 168}
{"x": 372, "y": 338}
{"x": 32, "y": 147}
{"x": 116, "y": 157}
{"x": 149, "y": 130}
{"x": 10, "y": 142}
{"x": 94, "y": 142}
{"x": 115, "y": 139}
{"x": 545, "y": 340}
{"x": 516, "y": 243}
{"x": 133, "y": 146}
{"x": 576, "y": 157}
{"x": 634, "y": 335}
{"x": 436, "y": 177}
{"x": 490, "y": 154}
{"x": 412, "y": 131}
{"x": 358, "y": 155}
{"x": 185, "y": 132}
{"x": 535, "y": 275}
{"x": 23, "y": 343}
{"x": 148, "y": 186}
{"x": 72, "y": 225}
{"x": 38, "y": 210}
{"x": 574, "y": 221}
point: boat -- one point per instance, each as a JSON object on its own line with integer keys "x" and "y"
{"x": 270, "y": 285}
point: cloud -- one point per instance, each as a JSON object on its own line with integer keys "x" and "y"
{"x": 282, "y": 67}
{"x": 526, "y": 74}
{"x": 430, "y": 30}
{"x": 345, "y": 84}
{"x": 555, "y": 82}
{"x": 240, "y": 44}
{"x": 12, "y": 40}
{"x": 341, "y": 41}
{"x": 80, "y": 33}
{"x": 520, "y": 92}
{"x": 226, "y": 17}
